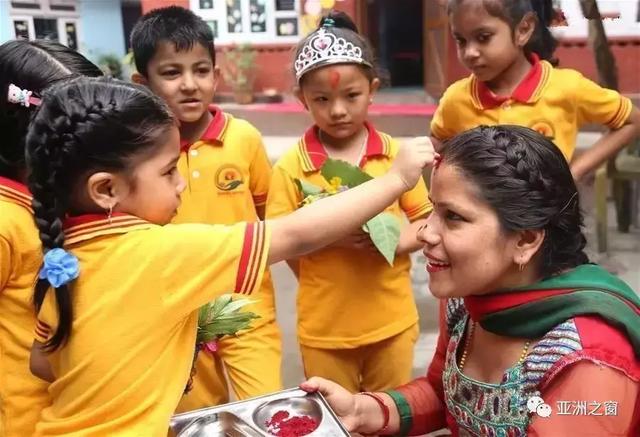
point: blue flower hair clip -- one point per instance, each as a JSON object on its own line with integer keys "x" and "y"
{"x": 60, "y": 267}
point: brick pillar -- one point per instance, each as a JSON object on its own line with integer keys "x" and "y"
{"x": 148, "y": 5}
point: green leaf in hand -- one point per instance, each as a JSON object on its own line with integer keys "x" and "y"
{"x": 306, "y": 188}
{"x": 223, "y": 317}
{"x": 350, "y": 175}
{"x": 384, "y": 230}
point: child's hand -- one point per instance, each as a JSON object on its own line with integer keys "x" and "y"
{"x": 356, "y": 240}
{"x": 412, "y": 157}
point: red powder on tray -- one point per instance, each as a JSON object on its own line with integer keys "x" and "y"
{"x": 282, "y": 425}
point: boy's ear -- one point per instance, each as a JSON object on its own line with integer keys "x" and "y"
{"x": 298, "y": 93}
{"x": 139, "y": 79}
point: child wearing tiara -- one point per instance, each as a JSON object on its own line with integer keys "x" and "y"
{"x": 507, "y": 47}
{"x": 225, "y": 165}
{"x": 26, "y": 69}
{"x": 357, "y": 319}
{"x": 119, "y": 289}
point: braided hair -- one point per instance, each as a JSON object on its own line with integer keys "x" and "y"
{"x": 526, "y": 180}
{"x": 512, "y": 12}
{"x": 32, "y": 65}
{"x": 83, "y": 126}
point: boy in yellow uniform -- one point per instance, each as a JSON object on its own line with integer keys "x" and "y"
{"x": 228, "y": 173}
{"x": 502, "y": 45}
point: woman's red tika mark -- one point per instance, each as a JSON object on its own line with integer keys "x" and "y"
{"x": 334, "y": 78}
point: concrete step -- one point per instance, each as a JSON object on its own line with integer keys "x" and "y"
{"x": 292, "y": 119}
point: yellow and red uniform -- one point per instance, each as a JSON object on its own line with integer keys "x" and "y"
{"x": 22, "y": 395}
{"x": 228, "y": 175}
{"x": 124, "y": 368}
{"x": 553, "y": 101}
{"x": 351, "y": 299}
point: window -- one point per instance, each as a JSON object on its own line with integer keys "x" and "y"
{"x": 54, "y": 20}
{"x": 46, "y": 28}
{"x": 250, "y": 21}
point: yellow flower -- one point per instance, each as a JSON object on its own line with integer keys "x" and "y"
{"x": 334, "y": 185}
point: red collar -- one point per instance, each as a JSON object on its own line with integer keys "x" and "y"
{"x": 88, "y": 226}
{"x": 314, "y": 154}
{"x": 15, "y": 192}
{"x": 528, "y": 90}
{"x": 214, "y": 132}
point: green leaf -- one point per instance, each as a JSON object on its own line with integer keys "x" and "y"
{"x": 384, "y": 230}
{"x": 350, "y": 175}
{"x": 223, "y": 317}
{"x": 306, "y": 188}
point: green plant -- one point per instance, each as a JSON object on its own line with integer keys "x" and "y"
{"x": 238, "y": 69}
{"x": 383, "y": 229}
{"x": 111, "y": 66}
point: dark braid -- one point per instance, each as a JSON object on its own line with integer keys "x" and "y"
{"x": 526, "y": 180}
{"x": 83, "y": 126}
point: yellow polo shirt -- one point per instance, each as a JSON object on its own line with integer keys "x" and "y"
{"x": 135, "y": 303}
{"x": 22, "y": 395}
{"x": 228, "y": 174}
{"x": 553, "y": 101}
{"x": 348, "y": 297}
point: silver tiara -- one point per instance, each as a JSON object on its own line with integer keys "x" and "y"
{"x": 325, "y": 48}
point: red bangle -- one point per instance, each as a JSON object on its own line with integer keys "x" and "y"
{"x": 385, "y": 411}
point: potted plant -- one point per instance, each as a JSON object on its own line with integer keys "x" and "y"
{"x": 238, "y": 71}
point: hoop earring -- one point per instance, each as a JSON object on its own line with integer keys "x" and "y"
{"x": 521, "y": 267}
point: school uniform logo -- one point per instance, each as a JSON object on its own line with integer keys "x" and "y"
{"x": 229, "y": 178}
{"x": 544, "y": 127}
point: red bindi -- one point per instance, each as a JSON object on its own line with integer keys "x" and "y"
{"x": 334, "y": 78}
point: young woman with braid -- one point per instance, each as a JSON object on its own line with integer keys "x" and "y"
{"x": 534, "y": 340}
{"x": 26, "y": 68}
{"x": 119, "y": 288}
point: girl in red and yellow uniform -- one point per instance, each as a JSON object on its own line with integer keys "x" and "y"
{"x": 26, "y": 68}
{"x": 507, "y": 47}
{"x": 373, "y": 350}
{"x": 118, "y": 291}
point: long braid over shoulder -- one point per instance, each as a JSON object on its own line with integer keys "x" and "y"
{"x": 83, "y": 126}
{"x": 525, "y": 178}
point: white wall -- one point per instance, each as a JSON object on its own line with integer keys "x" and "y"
{"x": 626, "y": 25}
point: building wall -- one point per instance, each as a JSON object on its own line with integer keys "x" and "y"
{"x": 5, "y": 22}
{"x": 101, "y": 33}
{"x": 149, "y": 5}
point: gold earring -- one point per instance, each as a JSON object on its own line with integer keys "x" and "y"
{"x": 521, "y": 266}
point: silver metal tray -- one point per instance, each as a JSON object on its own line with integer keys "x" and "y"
{"x": 249, "y": 418}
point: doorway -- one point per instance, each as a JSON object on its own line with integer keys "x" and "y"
{"x": 395, "y": 29}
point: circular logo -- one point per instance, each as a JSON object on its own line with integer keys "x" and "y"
{"x": 543, "y": 127}
{"x": 228, "y": 178}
